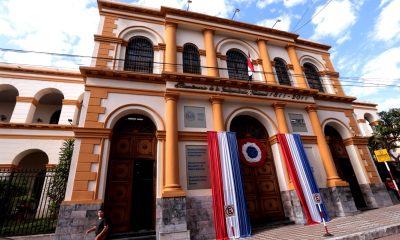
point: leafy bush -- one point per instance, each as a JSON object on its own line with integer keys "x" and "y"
{"x": 58, "y": 186}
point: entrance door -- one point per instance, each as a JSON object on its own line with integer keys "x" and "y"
{"x": 261, "y": 187}
{"x": 343, "y": 165}
{"x": 130, "y": 190}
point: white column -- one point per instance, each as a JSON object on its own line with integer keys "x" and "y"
{"x": 280, "y": 168}
{"x": 69, "y": 110}
{"x": 357, "y": 165}
{"x": 24, "y": 110}
{"x": 327, "y": 84}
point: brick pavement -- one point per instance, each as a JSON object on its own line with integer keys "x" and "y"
{"x": 373, "y": 224}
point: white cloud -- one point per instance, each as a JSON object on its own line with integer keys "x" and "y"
{"x": 387, "y": 26}
{"x": 335, "y": 19}
{"x": 263, "y": 3}
{"x": 286, "y": 3}
{"x": 283, "y": 25}
{"x": 389, "y": 103}
{"x": 292, "y": 3}
{"x": 343, "y": 38}
{"x": 383, "y": 3}
{"x": 48, "y": 26}
{"x": 220, "y": 8}
{"x": 381, "y": 70}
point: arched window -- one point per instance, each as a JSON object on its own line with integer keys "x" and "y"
{"x": 237, "y": 64}
{"x": 281, "y": 72}
{"x": 313, "y": 77}
{"x": 139, "y": 55}
{"x": 191, "y": 59}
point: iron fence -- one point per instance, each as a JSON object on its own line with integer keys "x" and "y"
{"x": 25, "y": 208}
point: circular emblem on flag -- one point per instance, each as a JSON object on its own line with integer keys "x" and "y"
{"x": 229, "y": 211}
{"x": 252, "y": 152}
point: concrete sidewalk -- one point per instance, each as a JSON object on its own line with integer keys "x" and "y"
{"x": 371, "y": 224}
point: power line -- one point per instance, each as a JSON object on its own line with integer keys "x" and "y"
{"x": 160, "y": 65}
{"x": 301, "y": 19}
{"x": 326, "y": 4}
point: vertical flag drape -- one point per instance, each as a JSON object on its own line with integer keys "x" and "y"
{"x": 302, "y": 176}
{"x": 250, "y": 67}
{"x": 230, "y": 213}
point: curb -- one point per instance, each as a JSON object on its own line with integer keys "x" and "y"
{"x": 372, "y": 234}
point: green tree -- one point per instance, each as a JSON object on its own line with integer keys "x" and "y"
{"x": 387, "y": 133}
{"x": 58, "y": 186}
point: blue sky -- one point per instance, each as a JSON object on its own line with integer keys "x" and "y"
{"x": 364, "y": 34}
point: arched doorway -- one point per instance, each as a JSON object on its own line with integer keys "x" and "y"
{"x": 261, "y": 187}
{"x": 343, "y": 165}
{"x": 131, "y": 177}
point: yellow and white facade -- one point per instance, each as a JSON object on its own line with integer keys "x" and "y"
{"x": 134, "y": 120}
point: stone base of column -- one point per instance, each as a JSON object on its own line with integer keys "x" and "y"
{"x": 200, "y": 217}
{"x": 339, "y": 201}
{"x": 292, "y": 207}
{"x": 75, "y": 219}
{"x": 382, "y": 197}
{"x": 171, "y": 218}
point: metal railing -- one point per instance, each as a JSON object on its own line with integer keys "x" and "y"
{"x": 25, "y": 208}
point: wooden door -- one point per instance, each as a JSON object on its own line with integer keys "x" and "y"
{"x": 119, "y": 184}
{"x": 130, "y": 189}
{"x": 261, "y": 187}
{"x": 262, "y": 191}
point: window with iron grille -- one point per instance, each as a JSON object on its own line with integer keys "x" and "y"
{"x": 312, "y": 76}
{"x": 237, "y": 64}
{"x": 139, "y": 55}
{"x": 281, "y": 72}
{"x": 191, "y": 59}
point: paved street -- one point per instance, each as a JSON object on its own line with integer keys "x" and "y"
{"x": 371, "y": 224}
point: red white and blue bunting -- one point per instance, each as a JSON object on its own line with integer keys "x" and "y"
{"x": 231, "y": 219}
{"x": 302, "y": 176}
{"x": 252, "y": 152}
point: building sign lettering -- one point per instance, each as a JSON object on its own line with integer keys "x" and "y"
{"x": 270, "y": 94}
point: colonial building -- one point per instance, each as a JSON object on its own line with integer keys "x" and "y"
{"x": 160, "y": 79}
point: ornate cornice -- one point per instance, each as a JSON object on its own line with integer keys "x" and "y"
{"x": 356, "y": 141}
{"x": 36, "y": 126}
{"x": 93, "y": 132}
{"x": 109, "y": 39}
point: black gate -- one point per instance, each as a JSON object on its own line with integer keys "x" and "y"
{"x": 25, "y": 208}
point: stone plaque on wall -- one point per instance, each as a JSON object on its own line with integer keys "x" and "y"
{"x": 297, "y": 122}
{"x": 195, "y": 117}
{"x": 198, "y": 171}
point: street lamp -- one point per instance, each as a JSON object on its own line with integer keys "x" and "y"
{"x": 277, "y": 20}
{"x": 188, "y": 3}
{"x": 236, "y": 11}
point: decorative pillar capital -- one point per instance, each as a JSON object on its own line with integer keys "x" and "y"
{"x": 216, "y": 100}
{"x": 290, "y": 46}
{"x": 311, "y": 108}
{"x": 279, "y": 105}
{"x": 208, "y": 31}
{"x": 171, "y": 24}
{"x": 260, "y": 40}
{"x": 171, "y": 96}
